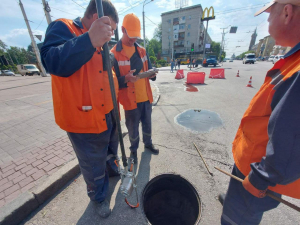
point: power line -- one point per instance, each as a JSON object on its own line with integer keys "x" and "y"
{"x": 40, "y": 23}
{"x": 78, "y": 4}
{"x": 63, "y": 11}
{"x": 152, "y": 21}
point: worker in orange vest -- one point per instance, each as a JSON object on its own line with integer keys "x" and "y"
{"x": 83, "y": 107}
{"x": 266, "y": 149}
{"x": 135, "y": 94}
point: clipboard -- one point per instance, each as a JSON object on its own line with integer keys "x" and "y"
{"x": 148, "y": 73}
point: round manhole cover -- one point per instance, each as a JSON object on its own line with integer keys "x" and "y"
{"x": 169, "y": 199}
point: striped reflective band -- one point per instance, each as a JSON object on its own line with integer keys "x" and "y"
{"x": 144, "y": 59}
{"x": 124, "y": 63}
{"x": 99, "y": 178}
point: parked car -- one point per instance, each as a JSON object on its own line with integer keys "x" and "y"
{"x": 211, "y": 60}
{"x": 7, "y": 73}
{"x": 277, "y": 58}
{"x": 230, "y": 60}
{"x": 270, "y": 59}
{"x": 249, "y": 58}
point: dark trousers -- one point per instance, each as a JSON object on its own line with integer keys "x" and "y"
{"x": 242, "y": 208}
{"x": 133, "y": 118}
{"x": 96, "y": 152}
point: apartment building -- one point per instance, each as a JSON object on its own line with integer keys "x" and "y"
{"x": 180, "y": 29}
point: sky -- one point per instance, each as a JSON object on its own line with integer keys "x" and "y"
{"x": 240, "y": 13}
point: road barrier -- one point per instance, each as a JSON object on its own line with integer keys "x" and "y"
{"x": 195, "y": 78}
{"x": 217, "y": 74}
{"x": 179, "y": 74}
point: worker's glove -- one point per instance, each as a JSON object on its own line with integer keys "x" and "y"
{"x": 253, "y": 190}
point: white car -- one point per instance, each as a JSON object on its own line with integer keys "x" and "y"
{"x": 7, "y": 73}
{"x": 277, "y": 58}
{"x": 270, "y": 59}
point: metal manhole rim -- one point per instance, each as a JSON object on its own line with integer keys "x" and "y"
{"x": 194, "y": 188}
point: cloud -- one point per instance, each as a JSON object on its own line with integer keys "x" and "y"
{"x": 19, "y": 36}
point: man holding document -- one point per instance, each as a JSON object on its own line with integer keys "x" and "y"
{"x": 133, "y": 69}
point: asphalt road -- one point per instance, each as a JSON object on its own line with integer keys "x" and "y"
{"x": 228, "y": 98}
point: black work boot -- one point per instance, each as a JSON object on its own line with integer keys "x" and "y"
{"x": 103, "y": 209}
{"x": 152, "y": 149}
{"x": 221, "y": 198}
{"x": 133, "y": 155}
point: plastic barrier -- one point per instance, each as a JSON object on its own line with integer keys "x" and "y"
{"x": 217, "y": 73}
{"x": 195, "y": 78}
{"x": 179, "y": 74}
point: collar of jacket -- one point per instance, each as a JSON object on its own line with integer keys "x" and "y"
{"x": 293, "y": 51}
{"x": 78, "y": 22}
{"x": 119, "y": 46}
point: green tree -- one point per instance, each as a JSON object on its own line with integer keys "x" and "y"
{"x": 153, "y": 59}
{"x": 215, "y": 48}
{"x": 18, "y": 55}
{"x": 158, "y": 33}
{"x": 156, "y": 46}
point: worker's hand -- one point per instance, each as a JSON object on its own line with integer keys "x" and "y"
{"x": 153, "y": 75}
{"x": 130, "y": 78}
{"x": 100, "y": 31}
{"x": 253, "y": 190}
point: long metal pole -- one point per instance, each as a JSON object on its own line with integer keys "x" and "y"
{"x": 268, "y": 193}
{"x": 47, "y": 11}
{"x": 205, "y": 39}
{"x": 112, "y": 88}
{"x": 144, "y": 27}
{"x": 34, "y": 46}
{"x": 221, "y": 47}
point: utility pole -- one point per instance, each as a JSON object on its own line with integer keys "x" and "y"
{"x": 207, "y": 18}
{"x": 222, "y": 43}
{"x": 144, "y": 21}
{"x": 34, "y": 46}
{"x": 47, "y": 11}
{"x": 205, "y": 34}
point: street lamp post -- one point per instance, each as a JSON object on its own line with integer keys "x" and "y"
{"x": 144, "y": 20}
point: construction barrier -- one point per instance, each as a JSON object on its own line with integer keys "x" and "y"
{"x": 179, "y": 74}
{"x": 217, "y": 73}
{"x": 195, "y": 78}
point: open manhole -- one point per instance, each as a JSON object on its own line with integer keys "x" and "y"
{"x": 169, "y": 199}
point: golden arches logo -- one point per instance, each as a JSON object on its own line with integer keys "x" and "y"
{"x": 206, "y": 10}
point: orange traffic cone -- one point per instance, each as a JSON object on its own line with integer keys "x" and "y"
{"x": 238, "y": 74}
{"x": 250, "y": 82}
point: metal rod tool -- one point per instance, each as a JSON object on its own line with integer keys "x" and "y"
{"x": 268, "y": 192}
{"x": 210, "y": 173}
{"x": 128, "y": 177}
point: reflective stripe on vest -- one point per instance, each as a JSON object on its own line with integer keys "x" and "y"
{"x": 69, "y": 95}
{"x": 127, "y": 96}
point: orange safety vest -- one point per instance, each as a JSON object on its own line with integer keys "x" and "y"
{"x": 82, "y": 88}
{"x": 127, "y": 96}
{"x": 249, "y": 145}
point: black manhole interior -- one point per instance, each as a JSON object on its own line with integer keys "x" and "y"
{"x": 169, "y": 199}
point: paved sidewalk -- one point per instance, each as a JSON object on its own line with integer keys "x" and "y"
{"x": 32, "y": 146}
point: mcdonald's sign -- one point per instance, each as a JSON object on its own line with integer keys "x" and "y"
{"x": 208, "y": 17}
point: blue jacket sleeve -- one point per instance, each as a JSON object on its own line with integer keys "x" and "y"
{"x": 281, "y": 163}
{"x": 63, "y": 53}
